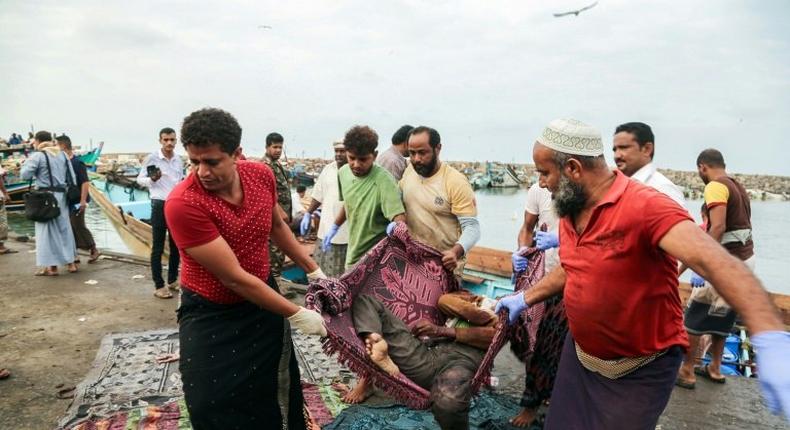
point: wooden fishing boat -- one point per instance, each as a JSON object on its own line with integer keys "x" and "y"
{"x": 134, "y": 232}
{"x": 129, "y": 211}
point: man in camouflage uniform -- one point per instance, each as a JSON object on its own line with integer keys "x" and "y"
{"x": 274, "y": 149}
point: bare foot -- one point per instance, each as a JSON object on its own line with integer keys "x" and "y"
{"x": 524, "y": 418}
{"x": 359, "y": 394}
{"x": 686, "y": 375}
{"x": 377, "y": 350}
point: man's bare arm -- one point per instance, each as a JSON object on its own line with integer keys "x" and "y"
{"x": 314, "y": 204}
{"x": 527, "y": 229}
{"x": 551, "y": 285}
{"x": 728, "y": 275}
{"x": 717, "y": 217}
{"x": 218, "y": 258}
{"x": 281, "y": 213}
{"x": 341, "y": 216}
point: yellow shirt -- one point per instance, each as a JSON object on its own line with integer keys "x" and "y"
{"x": 434, "y": 204}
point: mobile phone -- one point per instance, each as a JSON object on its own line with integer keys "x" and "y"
{"x": 152, "y": 170}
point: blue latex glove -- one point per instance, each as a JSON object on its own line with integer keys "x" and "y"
{"x": 391, "y": 228}
{"x": 304, "y": 227}
{"x": 546, "y": 240}
{"x": 697, "y": 281}
{"x": 773, "y": 350}
{"x": 328, "y": 238}
{"x": 514, "y": 303}
{"x": 519, "y": 262}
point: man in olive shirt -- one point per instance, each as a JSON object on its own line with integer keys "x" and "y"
{"x": 274, "y": 149}
{"x": 370, "y": 196}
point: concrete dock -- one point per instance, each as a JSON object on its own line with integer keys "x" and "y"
{"x": 51, "y": 327}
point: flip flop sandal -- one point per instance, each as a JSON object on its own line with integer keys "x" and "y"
{"x": 9, "y": 251}
{"x": 46, "y": 272}
{"x": 682, "y": 383}
{"x": 4, "y": 374}
{"x": 66, "y": 393}
{"x": 95, "y": 258}
{"x": 704, "y": 371}
{"x": 163, "y": 293}
{"x": 167, "y": 358}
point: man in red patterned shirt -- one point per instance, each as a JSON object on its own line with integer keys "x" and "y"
{"x": 618, "y": 274}
{"x": 237, "y": 362}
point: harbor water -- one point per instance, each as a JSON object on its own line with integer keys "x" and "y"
{"x": 501, "y": 212}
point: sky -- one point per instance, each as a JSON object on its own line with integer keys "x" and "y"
{"x": 488, "y": 75}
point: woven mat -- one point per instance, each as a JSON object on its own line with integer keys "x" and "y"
{"x": 315, "y": 365}
{"x": 125, "y": 378}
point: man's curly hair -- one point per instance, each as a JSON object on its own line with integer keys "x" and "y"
{"x": 211, "y": 126}
{"x": 361, "y": 140}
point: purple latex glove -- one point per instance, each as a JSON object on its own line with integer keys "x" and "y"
{"x": 391, "y": 228}
{"x": 546, "y": 240}
{"x": 773, "y": 350}
{"x": 304, "y": 227}
{"x": 697, "y": 281}
{"x": 327, "y": 243}
{"x": 519, "y": 263}
{"x": 514, "y": 303}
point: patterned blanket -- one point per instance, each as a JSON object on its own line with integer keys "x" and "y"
{"x": 408, "y": 278}
{"x": 523, "y": 335}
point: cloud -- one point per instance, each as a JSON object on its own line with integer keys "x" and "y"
{"x": 488, "y": 75}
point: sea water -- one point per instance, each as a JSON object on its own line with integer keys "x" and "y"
{"x": 501, "y": 213}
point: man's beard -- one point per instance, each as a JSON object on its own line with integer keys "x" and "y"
{"x": 427, "y": 169}
{"x": 570, "y": 198}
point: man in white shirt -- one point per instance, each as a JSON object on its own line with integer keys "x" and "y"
{"x": 326, "y": 195}
{"x": 541, "y": 366}
{"x": 160, "y": 173}
{"x": 634, "y": 148}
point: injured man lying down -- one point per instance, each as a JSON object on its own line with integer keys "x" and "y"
{"x": 441, "y": 359}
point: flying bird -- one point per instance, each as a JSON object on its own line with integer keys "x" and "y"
{"x": 268, "y": 27}
{"x": 575, "y": 12}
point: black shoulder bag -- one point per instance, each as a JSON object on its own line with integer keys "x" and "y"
{"x": 73, "y": 192}
{"x": 41, "y": 205}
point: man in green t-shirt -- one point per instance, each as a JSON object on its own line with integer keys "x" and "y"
{"x": 371, "y": 203}
{"x": 371, "y": 198}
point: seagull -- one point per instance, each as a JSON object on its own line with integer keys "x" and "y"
{"x": 268, "y": 27}
{"x": 575, "y": 12}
